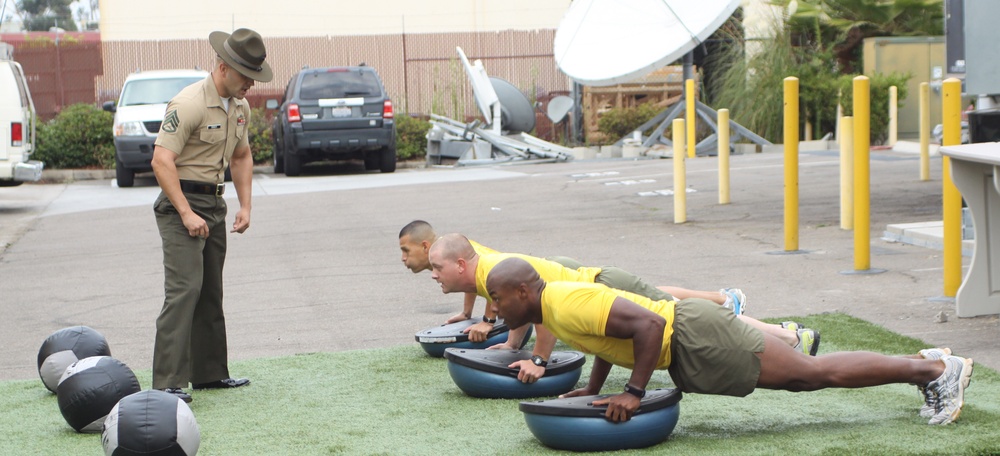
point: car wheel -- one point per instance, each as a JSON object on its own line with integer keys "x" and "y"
{"x": 372, "y": 160}
{"x": 125, "y": 176}
{"x": 293, "y": 165}
{"x": 279, "y": 161}
{"x": 387, "y": 161}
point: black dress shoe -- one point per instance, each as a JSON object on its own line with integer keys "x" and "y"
{"x": 224, "y": 383}
{"x": 179, "y": 393}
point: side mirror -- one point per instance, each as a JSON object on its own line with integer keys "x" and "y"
{"x": 109, "y": 106}
{"x": 271, "y": 104}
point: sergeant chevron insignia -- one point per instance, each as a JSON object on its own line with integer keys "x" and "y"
{"x": 170, "y": 122}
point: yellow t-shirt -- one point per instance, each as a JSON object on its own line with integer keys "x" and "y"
{"x": 577, "y": 314}
{"x": 550, "y": 271}
{"x": 481, "y": 249}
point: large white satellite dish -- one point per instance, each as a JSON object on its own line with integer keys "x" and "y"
{"x": 608, "y": 42}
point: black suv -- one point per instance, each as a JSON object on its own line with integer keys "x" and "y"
{"x": 336, "y": 113}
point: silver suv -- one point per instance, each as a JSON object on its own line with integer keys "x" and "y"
{"x": 337, "y": 113}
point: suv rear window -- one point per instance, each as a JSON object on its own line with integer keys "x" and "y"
{"x": 153, "y": 91}
{"x": 339, "y": 84}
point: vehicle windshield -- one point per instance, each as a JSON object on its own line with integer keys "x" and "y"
{"x": 339, "y": 84}
{"x": 154, "y": 91}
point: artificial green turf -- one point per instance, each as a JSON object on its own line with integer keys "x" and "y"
{"x": 400, "y": 401}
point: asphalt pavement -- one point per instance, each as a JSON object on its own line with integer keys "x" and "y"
{"x": 319, "y": 269}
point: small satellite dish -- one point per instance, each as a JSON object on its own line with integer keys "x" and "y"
{"x": 608, "y": 42}
{"x": 481, "y": 86}
{"x": 558, "y": 108}
{"x": 516, "y": 112}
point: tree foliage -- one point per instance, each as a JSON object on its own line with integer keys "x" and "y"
{"x": 820, "y": 44}
{"x": 40, "y": 15}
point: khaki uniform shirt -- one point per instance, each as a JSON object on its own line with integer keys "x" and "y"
{"x": 197, "y": 128}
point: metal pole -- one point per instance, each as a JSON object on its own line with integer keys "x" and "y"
{"x": 791, "y": 138}
{"x": 846, "y": 173}
{"x": 723, "y": 123}
{"x": 689, "y": 99}
{"x": 862, "y": 185}
{"x": 951, "y": 94}
{"x": 680, "y": 180}
{"x": 925, "y": 131}
{"x": 893, "y": 115}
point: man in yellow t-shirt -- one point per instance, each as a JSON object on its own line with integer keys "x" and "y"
{"x": 628, "y": 330}
{"x": 458, "y": 268}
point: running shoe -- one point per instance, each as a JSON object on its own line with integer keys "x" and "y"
{"x": 930, "y": 407}
{"x": 735, "y": 300}
{"x": 808, "y": 338}
{"x": 950, "y": 389}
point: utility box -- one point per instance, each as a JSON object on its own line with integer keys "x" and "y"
{"x": 984, "y": 126}
{"x": 982, "y": 55}
{"x": 923, "y": 58}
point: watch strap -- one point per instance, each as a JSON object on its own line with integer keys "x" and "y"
{"x": 489, "y": 320}
{"x": 539, "y": 361}
{"x": 637, "y": 392}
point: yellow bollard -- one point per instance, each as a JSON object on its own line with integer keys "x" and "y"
{"x": 680, "y": 180}
{"x": 791, "y": 138}
{"x": 846, "y": 173}
{"x": 951, "y": 94}
{"x": 723, "y": 121}
{"x": 862, "y": 185}
{"x": 925, "y": 131}
{"x": 689, "y": 99}
{"x": 893, "y": 115}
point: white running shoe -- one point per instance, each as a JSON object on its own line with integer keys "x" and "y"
{"x": 735, "y": 300}
{"x": 950, "y": 388}
{"x": 930, "y": 407}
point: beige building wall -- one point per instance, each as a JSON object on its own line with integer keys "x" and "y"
{"x": 195, "y": 19}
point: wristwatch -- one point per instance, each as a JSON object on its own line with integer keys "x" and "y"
{"x": 539, "y": 361}
{"x": 489, "y": 320}
{"x": 637, "y": 392}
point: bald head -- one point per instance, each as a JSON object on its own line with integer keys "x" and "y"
{"x": 511, "y": 273}
{"x": 453, "y": 246}
{"x": 516, "y": 291}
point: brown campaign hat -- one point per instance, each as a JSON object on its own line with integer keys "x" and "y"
{"x": 244, "y": 51}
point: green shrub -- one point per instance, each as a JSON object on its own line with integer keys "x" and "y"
{"x": 619, "y": 122}
{"x": 878, "y": 98}
{"x": 261, "y": 144}
{"x": 78, "y": 137}
{"x": 411, "y": 137}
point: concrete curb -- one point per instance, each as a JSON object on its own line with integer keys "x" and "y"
{"x": 65, "y": 176}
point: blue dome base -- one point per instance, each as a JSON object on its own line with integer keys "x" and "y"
{"x": 576, "y": 433}
{"x": 489, "y": 385}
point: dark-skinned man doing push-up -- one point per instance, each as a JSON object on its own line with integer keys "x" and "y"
{"x": 632, "y": 331}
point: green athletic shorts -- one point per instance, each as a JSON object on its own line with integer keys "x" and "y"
{"x": 713, "y": 352}
{"x": 617, "y": 278}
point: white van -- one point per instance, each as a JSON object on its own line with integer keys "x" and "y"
{"x": 138, "y": 115}
{"x": 17, "y": 127}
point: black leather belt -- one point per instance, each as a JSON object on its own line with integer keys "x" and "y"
{"x": 202, "y": 188}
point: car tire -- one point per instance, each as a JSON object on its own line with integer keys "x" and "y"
{"x": 125, "y": 176}
{"x": 373, "y": 160}
{"x": 293, "y": 165}
{"x": 279, "y": 161}
{"x": 387, "y": 160}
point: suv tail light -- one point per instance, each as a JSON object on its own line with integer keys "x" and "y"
{"x": 293, "y": 113}
{"x": 387, "y": 109}
{"x": 16, "y": 134}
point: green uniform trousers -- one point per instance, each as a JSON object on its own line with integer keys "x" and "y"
{"x": 618, "y": 279}
{"x": 191, "y": 329}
